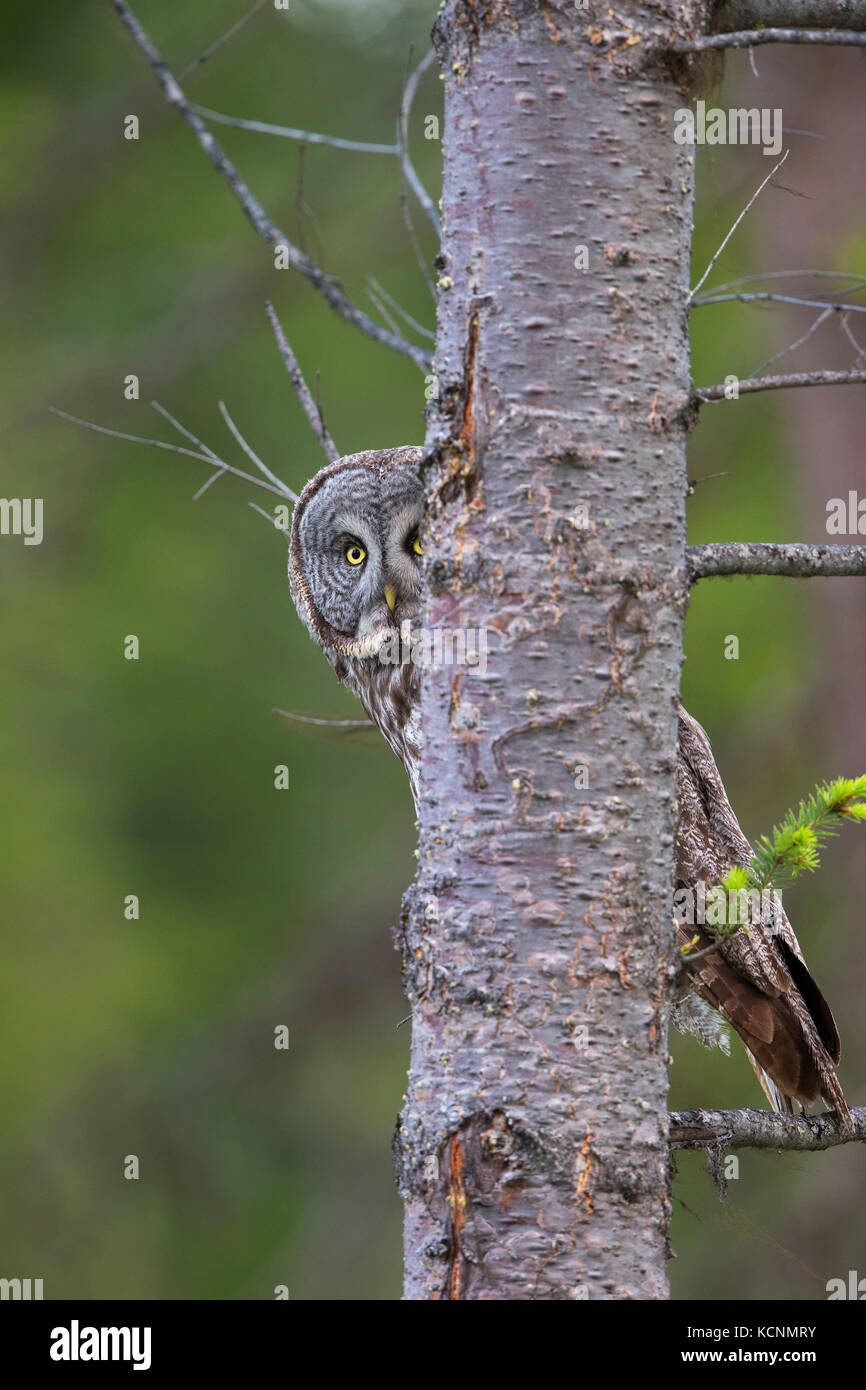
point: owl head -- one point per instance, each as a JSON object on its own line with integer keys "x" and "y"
{"x": 354, "y": 556}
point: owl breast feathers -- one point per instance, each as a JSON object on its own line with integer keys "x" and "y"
{"x": 356, "y": 580}
{"x": 355, "y": 577}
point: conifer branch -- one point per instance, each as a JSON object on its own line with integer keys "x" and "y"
{"x": 790, "y": 850}
{"x": 793, "y": 847}
{"x": 779, "y": 383}
{"x": 763, "y": 1129}
{"x": 799, "y": 14}
{"x": 749, "y": 38}
{"x": 796, "y": 561}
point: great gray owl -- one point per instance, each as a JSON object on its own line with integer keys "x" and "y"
{"x": 355, "y": 575}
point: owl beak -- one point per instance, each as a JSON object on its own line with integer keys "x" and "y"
{"x": 390, "y": 596}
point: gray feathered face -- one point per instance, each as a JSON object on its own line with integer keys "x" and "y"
{"x": 355, "y": 563}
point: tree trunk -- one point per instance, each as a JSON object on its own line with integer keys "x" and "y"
{"x": 532, "y": 1147}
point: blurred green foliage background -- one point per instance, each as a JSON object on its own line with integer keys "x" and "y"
{"x": 259, "y": 907}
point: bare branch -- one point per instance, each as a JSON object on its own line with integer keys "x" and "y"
{"x": 229, "y": 34}
{"x": 251, "y": 454}
{"x": 859, "y": 280}
{"x": 267, "y": 516}
{"x": 817, "y": 14}
{"x": 384, "y": 312}
{"x": 311, "y": 137}
{"x": 768, "y": 296}
{"x": 758, "y": 190}
{"x": 792, "y": 347}
{"x": 187, "y": 434}
{"x": 209, "y": 482}
{"x": 846, "y": 329}
{"x": 763, "y": 1129}
{"x": 302, "y": 390}
{"x": 781, "y": 383}
{"x": 398, "y": 308}
{"x": 797, "y": 561}
{"x": 345, "y": 730}
{"x": 322, "y": 723}
{"x": 305, "y": 137}
{"x": 749, "y": 37}
{"x": 328, "y": 287}
{"x": 403, "y": 143}
{"x": 320, "y": 414}
{"x": 206, "y": 457}
{"x": 413, "y": 240}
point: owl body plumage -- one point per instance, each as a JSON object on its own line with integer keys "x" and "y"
{"x": 757, "y": 979}
{"x": 356, "y": 581}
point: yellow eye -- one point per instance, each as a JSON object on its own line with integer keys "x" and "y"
{"x": 355, "y": 555}
{"x": 416, "y": 546}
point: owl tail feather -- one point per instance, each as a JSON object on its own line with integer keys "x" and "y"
{"x": 831, "y": 1093}
{"x": 780, "y": 1102}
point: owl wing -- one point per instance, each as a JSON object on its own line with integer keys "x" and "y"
{"x": 757, "y": 979}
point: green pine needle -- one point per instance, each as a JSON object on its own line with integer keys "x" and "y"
{"x": 793, "y": 848}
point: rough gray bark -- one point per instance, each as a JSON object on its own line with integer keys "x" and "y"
{"x": 532, "y": 1148}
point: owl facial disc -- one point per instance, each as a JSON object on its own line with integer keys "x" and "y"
{"x": 355, "y": 556}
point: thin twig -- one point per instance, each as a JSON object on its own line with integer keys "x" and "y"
{"x": 754, "y": 196}
{"x": 320, "y": 414}
{"x": 415, "y": 183}
{"x": 692, "y": 483}
{"x": 414, "y": 242}
{"x": 405, "y": 209}
{"x": 303, "y": 212}
{"x": 209, "y": 482}
{"x": 323, "y": 723}
{"x": 780, "y": 383}
{"x": 819, "y": 14}
{"x": 182, "y": 429}
{"x": 398, "y": 308}
{"x": 763, "y": 1129}
{"x": 330, "y": 288}
{"x": 689, "y": 957}
{"x": 272, "y": 519}
{"x": 209, "y": 457}
{"x": 310, "y": 137}
{"x": 792, "y": 347}
{"x": 859, "y": 280}
{"x": 844, "y": 325}
{"x": 386, "y": 313}
{"x": 305, "y": 137}
{"x": 188, "y": 434}
{"x": 229, "y": 34}
{"x": 797, "y": 561}
{"x": 253, "y": 456}
{"x": 302, "y": 390}
{"x": 769, "y": 296}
